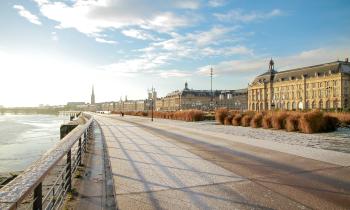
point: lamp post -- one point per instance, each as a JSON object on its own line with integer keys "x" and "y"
{"x": 152, "y": 107}
{"x": 211, "y": 88}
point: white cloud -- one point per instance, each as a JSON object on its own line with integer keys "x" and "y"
{"x": 227, "y": 51}
{"x": 101, "y": 40}
{"x": 216, "y": 3}
{"x": 197, "y": 45}
{"x": 27, "y": 14}
{"x": 54, "y": 36}
{"x": 190, "y": 46}
{"x": 187, "y": 4}
{"x": 174, "y": 73}
{"x": 242, "y": 16}
{"x": 138, "y": 34}
{"x": 135, "y": 67}
{"x": 212, "y": 36}
{"x": 260, "y": 65}
{"x": 93, "y": 17}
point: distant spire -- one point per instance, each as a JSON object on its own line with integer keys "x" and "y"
{"x": 92, "y": 95}
{"x": 271, "y": 66}
{"x": 186, "y": 85}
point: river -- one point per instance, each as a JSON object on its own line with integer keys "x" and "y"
{"x": 24, "y": 138}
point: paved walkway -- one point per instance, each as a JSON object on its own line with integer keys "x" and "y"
{"x": 93, "y": 188}
{"x": 156, "y": 168}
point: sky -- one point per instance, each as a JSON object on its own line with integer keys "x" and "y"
{"x": 52, "y": 52}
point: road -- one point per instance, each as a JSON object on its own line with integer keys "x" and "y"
{"x": 159, "y": 166}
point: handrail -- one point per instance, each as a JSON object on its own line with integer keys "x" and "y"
{"x": 12, "y": 194}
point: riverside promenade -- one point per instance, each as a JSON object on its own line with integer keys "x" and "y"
{"x": 160, "y": 165}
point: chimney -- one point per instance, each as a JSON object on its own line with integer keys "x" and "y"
{"x": 346, "y": 60}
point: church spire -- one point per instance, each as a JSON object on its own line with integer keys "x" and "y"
{"x": 92, "y": 96}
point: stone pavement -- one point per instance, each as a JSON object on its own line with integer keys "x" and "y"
{"x": 155, "y": 167}
{"x": 151, "y": 173}
{"x": 92, "y": 188}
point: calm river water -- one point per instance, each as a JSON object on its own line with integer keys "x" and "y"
{"x": 23, "y": 138}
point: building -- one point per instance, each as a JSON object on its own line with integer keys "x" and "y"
{"x": 202, "y": 99}
{"x": 132, "y": 105}
{"x": 323, "y": 86}
{"x": 73, "y": 104}
{"x": 233, "y": 99}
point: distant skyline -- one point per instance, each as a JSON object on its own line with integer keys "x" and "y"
{"x": 52, "y": 52}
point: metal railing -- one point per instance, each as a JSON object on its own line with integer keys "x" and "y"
{"x": 46, "y": 182}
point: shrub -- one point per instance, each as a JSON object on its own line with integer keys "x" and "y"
{"x": 343, "y": 118}
{"x": 228, "y": 120}
{"x": 256, "y": 120}
{"x": 220, "y": 115}
{"x": 278, "y": 120}
{"x": 194, "y": 115}
{"x": 292, "y": 122}
{"x": 266, "y": 121}
{"x": 245, "y": 121}
{"x": 330, "y": 123}
{"x": 236, "y": 120}
{"x": 311, "y": 122}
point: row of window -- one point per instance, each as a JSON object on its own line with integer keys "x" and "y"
{"x": 299, "y": 105}
{"x": 328, "y": 92}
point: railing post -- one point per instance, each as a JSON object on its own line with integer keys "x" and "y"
{"x": 38, "y": 197}
{"x": 79, "y": 151}
{"x": 69, "y": 171}
{"x": 85, "y": 139}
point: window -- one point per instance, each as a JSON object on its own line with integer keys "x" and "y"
{"x": 335, "y": 90}
{"x": 328, "y": 105}
{"x": 320, "y": 104}
{"x": 300, "y": 105}
{"x": 335, "y": 104}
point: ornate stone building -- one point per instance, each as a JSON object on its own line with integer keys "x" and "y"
{"x": 323, "y": 86}
{"x": 202, "y": 99}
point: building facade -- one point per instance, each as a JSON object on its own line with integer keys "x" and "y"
{"x": 131, "y": 105}
{"x": 202, "y": 99}
{"x": 323, "y": 86}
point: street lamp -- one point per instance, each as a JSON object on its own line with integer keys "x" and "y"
{"x": 152, "y": 107}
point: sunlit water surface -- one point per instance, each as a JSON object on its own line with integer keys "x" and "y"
{"x": 24, "y": 138}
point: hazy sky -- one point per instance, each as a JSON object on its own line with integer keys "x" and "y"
{"x": 51, "y": 52}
